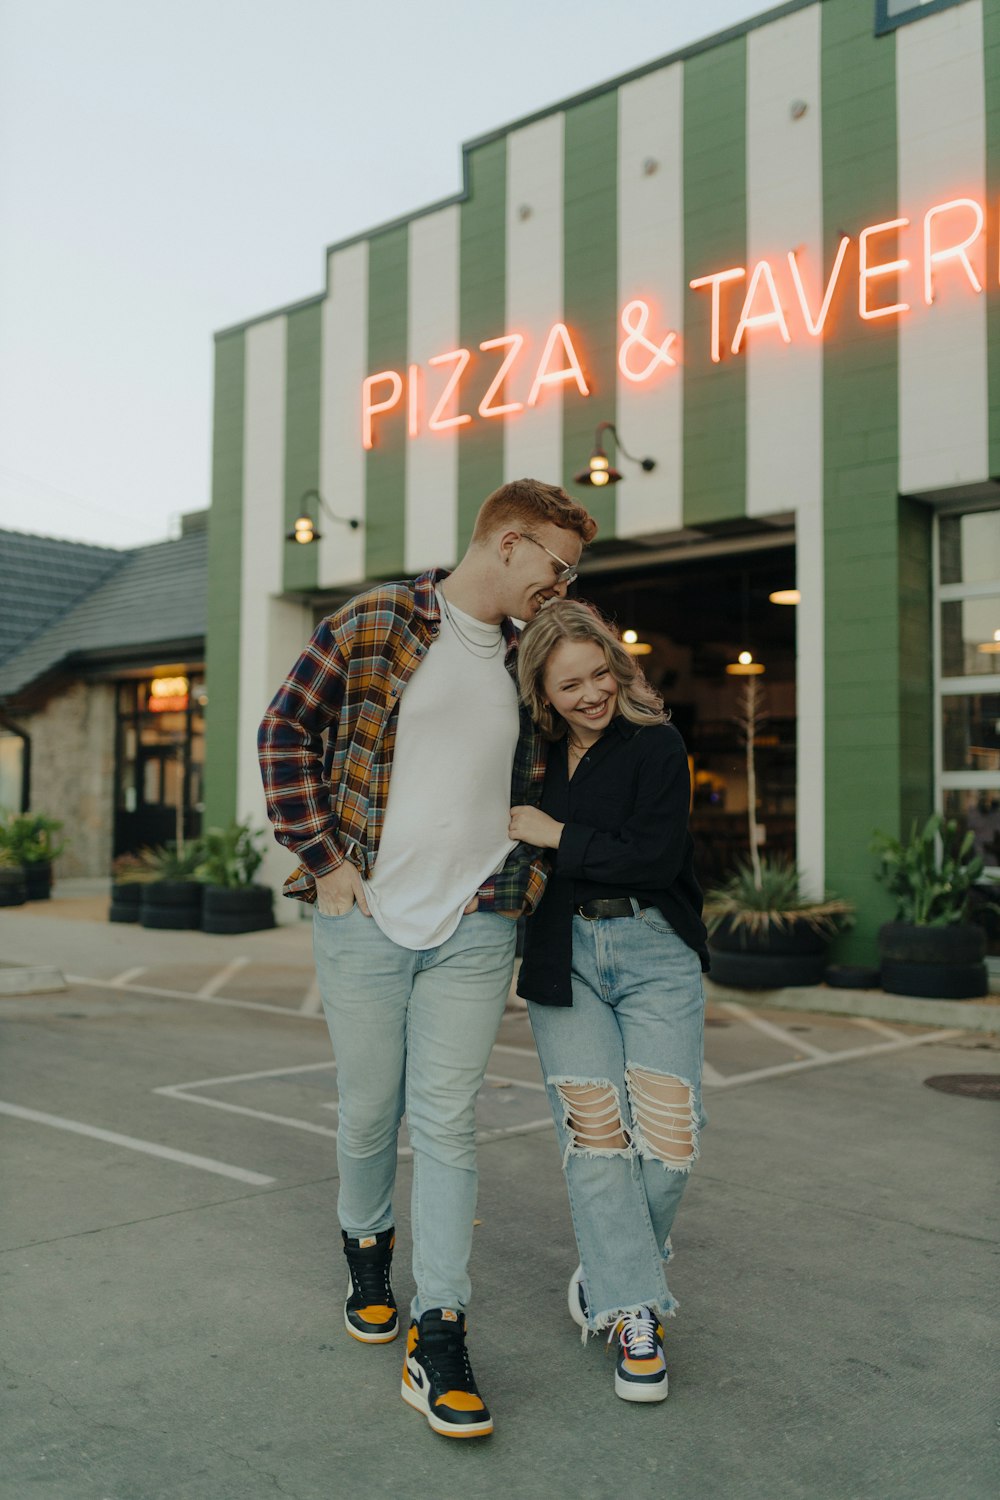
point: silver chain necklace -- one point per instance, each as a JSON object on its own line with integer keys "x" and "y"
{"x": 474, "y": 648}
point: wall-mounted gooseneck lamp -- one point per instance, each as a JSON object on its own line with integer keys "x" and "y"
{"x": 304, "y": 530}
{"x": 599, "y": 471}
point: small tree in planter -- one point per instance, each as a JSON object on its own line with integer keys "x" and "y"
{"x": 930, "y": 950}
{"x": 29, "y": 837}
{"x": 233, "y": 902}
{"x": 763, "y": 933}
{"x": 171, "y": 898}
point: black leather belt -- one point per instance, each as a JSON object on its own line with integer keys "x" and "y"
{"x": 610, "y": 906}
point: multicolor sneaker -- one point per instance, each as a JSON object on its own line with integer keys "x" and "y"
{"x": 370, "y": 1313}
{"x": 641, "y": 1373}
{"x": 438, "y": 1379}
{"x": 576, "y": 1299}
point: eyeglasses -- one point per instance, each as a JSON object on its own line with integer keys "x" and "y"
{"x": 566, "y": 574}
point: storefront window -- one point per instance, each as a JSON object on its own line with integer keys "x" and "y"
{"x": 161, "y": 753}
{"x": 11, "y": 771}
{"x": 972, "y": 732}
{"x": 968, "y": 675}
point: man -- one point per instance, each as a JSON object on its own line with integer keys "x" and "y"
{"x": 401, "y": 829}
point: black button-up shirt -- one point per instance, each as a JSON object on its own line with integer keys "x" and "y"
{"x": 625, "y": 811}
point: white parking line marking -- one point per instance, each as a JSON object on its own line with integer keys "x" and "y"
{"x": 768, "y": 1028}
{"x": 149, "y": 989}
{"x": 830, "y": 1059}
{"x": 711, "y": 1076}
{"x": 224, "y": 975}
{"x": 125, "y": 977}
{"x": 879, "y": 1026}
{"x": 183, "y": 1092}
{"x": 149, "y": 1148}
{"x": 311, "y": 1002}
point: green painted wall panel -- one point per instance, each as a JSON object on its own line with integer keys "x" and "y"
{"x": 715, "y": 234}
{"x": 302, "y": 419}
{"x": 385, "y": 478}
{"x": 225, "y": 538}
{"x": 590, "y": 289}
{"x": 482, "y": 315}
{"x": 916, "y": 674}
{"x": 860, "y": 384}
{"x": 991, "y": 59}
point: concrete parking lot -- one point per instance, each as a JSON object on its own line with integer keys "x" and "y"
{"x": 174, "y": 1279}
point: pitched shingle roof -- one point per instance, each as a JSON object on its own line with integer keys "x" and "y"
{"x": 41, "y": 578}
{"x": 155, "y": 596}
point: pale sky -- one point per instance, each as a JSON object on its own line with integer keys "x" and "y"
{"x": 167, "y": 170}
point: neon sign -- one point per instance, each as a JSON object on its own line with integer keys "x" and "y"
{"x": 949, "y": 231}
{"x": 168, "y": 695}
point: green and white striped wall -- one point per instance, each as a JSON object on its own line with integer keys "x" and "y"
{"x": 562, "y": 220}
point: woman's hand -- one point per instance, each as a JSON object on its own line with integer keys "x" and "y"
{"x": 529, "y": 825}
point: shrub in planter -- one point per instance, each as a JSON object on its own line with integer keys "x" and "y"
{"x": 930, "y": 950}
{"x": 29, "y": 837}
{"x": 233, "y": 902}
{"x": 172, "y": 897}
{"x": 763, "y": 934}
{"x": 13, "y": 891}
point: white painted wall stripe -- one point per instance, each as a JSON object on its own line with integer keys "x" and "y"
{"x": 533, "y": 438}
{"x": 431, "y": 522}
{"x": 262, "y": 548}
{"x": 649, "y": 416}
{"x": 785, "y": 381}
{"x": 273, "y": 630}
{"x": 940, "y": 100}
{"x": 341, "y": 456}
{"x": 785, "y": 211}
{"x": 131, "y": 1143}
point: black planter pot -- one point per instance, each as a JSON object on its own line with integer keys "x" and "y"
{"x": 38, "y": 880}
{"x": 13, "y": 891}
{"x": 227, "y": 909}
{"x": 126, "y": 900}
{"x": 778, "y": 958}
{"x": 933, "y": 963}
{"x": 171, "y": 904}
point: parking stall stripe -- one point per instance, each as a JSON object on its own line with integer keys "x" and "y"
{"x": 122, "y": 979}
{"x": 149, "y": 989}
{"x": 149, "y": 1148}
{"x": 222, "y": 977}
{"x": 777, "y": 1033}
{"x": 831, "y": 1059}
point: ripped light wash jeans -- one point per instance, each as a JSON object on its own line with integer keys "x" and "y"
{"x": 625, "y": 1060}
{"x": 413, "y": 1030}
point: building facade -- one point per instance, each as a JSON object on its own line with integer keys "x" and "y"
{"x": 771, "y": 261}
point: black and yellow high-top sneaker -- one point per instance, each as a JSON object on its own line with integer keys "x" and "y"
{"x": 438, "y": 1379}
{"x": 641, "y": 1373}
{"x": 370, "y": 1310}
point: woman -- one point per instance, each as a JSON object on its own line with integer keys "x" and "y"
{"x": 612, "y": 973}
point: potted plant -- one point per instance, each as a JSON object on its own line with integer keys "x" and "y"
{"x": 29, "y": 837}
{"x": 929, "y": 950}
{"x": 13, "y": 891}
{"x": 129, "y": 873}
{"x": 763, "y": 933}
{"x": 171, "y": 898}
{"x": 232, "y": 901}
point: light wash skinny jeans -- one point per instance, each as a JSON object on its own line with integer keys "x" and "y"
{"x": 413, "y": 1031}
{"x": 638, "y": 1011}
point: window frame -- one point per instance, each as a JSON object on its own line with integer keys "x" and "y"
{"x": 886, "y": 24}
{"x": 946, "y": 687}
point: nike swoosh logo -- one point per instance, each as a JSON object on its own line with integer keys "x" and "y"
{"x": 416, "y": 1375}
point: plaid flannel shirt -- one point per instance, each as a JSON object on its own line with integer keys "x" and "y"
{"x": 328, "y": 806}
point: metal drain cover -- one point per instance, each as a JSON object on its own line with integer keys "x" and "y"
{"x": 969, "y": 1085}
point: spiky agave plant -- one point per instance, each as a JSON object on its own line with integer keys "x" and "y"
{"x": 756, "y": 900}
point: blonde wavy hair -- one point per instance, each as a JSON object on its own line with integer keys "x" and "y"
{"x": 572, "y": 620}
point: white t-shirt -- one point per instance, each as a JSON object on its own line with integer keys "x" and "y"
{"x": 445, "y": 829}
